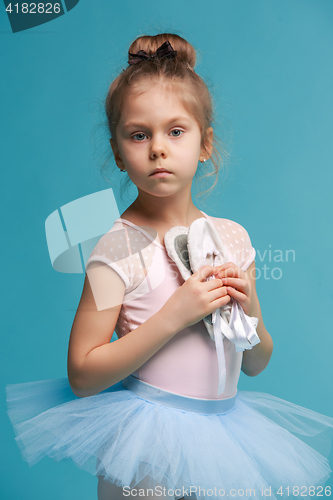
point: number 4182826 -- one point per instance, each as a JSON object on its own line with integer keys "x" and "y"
{"x": 304, "y": 491}
{"x": 34, "y": 8}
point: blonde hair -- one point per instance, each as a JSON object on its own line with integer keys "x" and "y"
{"x": 179, "y": 72}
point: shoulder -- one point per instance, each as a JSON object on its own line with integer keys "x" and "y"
{"x": 126, "y": 250}
{"x": 111, "y": 247}
{"x": 228, "y": 226}
{"x": 231, "y": 230}
{"x": 236, "y": 240}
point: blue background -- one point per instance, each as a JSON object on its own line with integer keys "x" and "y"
{"x": 269, "y": 65}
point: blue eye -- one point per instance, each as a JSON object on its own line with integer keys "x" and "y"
{"x": 176, "y": 132}
{"x": 139, "y": 137}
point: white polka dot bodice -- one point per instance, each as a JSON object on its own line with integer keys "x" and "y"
{"x": 133, "y": 253}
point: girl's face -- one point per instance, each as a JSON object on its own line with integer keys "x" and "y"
{"x": 158, "y": 142}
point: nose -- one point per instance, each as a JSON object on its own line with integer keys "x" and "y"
{"x": 158, "y": 149}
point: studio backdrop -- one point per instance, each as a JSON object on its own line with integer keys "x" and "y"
{"x": 268, "y": 64}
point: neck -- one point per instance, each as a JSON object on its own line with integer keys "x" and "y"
{"x": 175, "y": 210}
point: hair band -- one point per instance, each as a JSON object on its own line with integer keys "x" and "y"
{"x": 165, "y": 50}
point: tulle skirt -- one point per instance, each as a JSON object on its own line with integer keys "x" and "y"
{"x": 252, "y": 444}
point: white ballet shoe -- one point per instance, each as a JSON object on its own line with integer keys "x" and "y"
{"x": 175, "y": 241}
{"x": 197, "y": 246}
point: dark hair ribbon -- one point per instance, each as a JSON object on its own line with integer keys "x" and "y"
{"x": 165, "y": 50}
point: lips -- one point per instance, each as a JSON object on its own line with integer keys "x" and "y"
{"x": 160, "y": 171}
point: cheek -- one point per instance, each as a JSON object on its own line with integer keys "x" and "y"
{"x": 193, "y": 146}
{"x": 133, "y": 150}
{"x": 132, "y": 157}
{"x": 190, "y": 156}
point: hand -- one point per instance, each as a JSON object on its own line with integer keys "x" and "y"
{"x": 239, "y": 286}
{"x": 195, "y": 299}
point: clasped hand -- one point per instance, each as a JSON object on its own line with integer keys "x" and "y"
{"x": 205, "y": 291}
{"x": 238, "y": 285}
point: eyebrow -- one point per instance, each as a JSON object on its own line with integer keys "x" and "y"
{"x": 169, "y": 122}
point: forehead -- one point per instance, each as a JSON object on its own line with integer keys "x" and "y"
{"x": 153, "y": 101}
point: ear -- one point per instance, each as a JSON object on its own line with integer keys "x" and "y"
{"x": 207, "y": 147}
{"x": 116, "y": 154}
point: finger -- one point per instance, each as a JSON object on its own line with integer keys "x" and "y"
{"x": 233, "y": 272}
{"x": 220, "y": 302}
{"x": 204, "y": 273}
{"x": 238, "y": 283}
{"x": 217, "y": 293}
{"x": 227, "y": 265}
{"x": 213, "y": 283}
{"x": 235, "y": 294}
{"x": 220, "y": 291}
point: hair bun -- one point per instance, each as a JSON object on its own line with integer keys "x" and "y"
{"x": 185, "y": 51}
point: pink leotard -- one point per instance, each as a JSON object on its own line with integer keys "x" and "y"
{"x": 187, "y": 364}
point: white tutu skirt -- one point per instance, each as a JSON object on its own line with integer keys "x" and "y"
{"x": 252, "y": 441}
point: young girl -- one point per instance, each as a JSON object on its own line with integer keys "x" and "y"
{"x": 176, "y": 421}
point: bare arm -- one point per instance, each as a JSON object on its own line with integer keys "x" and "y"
{"x": 94, "y": 364}
{"x": 256, "y": 359}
